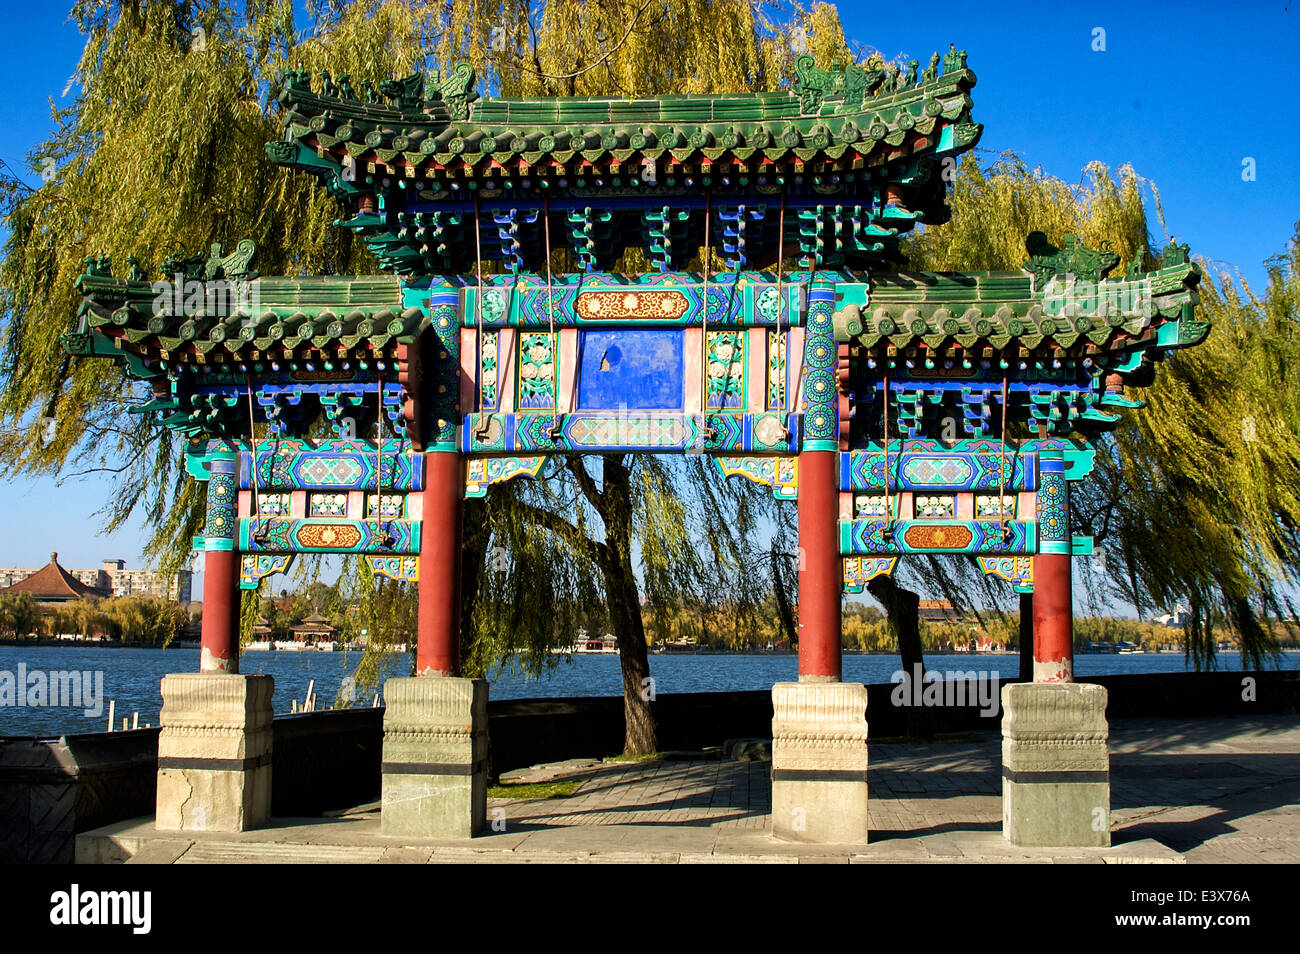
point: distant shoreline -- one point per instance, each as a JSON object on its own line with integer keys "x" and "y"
{"x": 47, "y": 643}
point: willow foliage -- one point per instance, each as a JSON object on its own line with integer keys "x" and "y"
{"x": 541, "y": 580}
{"x": 162, "y": 150}
{"x": 995, "y": 208}
{"x": 1214, "y": 459}
{"x": 1196, "y": 496}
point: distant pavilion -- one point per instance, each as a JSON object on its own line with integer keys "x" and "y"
{"x": 314, "y": 628}
{"x": 52, "y": 585}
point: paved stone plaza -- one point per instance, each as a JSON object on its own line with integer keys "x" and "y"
{"x": 1205, "y": 790}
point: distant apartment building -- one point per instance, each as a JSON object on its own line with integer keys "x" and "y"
{"x": 111, "y": 579}
{"x": 124, "y": 582}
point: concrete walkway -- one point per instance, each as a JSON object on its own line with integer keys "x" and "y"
{"x": 1208, "y": 790}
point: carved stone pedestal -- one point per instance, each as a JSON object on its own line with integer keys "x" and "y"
{"x": 214, "y": 752}
{"x": 1055, "y": 767}
{"x": 435, "y": 757}
{"x": 819, "y": 762}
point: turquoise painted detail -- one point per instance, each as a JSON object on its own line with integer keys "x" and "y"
{"x": 820, "y": 379}
{"x": 328, "y": 535}
{"x": 659, "y": 300}
{"x": 1053, "y": 505}
{"x": 442, "y": 362}
{"x": 253, "y": 568}
{"x": 223, "y": 494}
{"x": 984, "y": 537}
{"x": 1079, "y": 463}
{"x": 198, "y": 466}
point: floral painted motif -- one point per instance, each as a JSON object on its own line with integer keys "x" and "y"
{"x": 726, "y": 370}
{"x": 537, "y": 370}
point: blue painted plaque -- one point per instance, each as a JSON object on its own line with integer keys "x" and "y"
{"x": 637, "y": 369}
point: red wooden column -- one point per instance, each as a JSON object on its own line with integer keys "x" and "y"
{"x": 1053, "y": 619}
{"x": 219, "y": 646}
{"x": 820, "y": 571}
{"x": 219, "y": 643}
{"x": 1053, "y": 600}
{"x": 438, "y": 618}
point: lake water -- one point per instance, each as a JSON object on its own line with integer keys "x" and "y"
{"x": 131, "y": 677}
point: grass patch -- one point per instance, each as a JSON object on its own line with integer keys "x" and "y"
{"x": 651, "y": 757}
{"x": 534, "y": 790}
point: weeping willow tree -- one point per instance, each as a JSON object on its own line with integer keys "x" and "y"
{"x": 1209, "y": 470}
{"x": 1195, "y": 496}
{"x": 995, "y": 207}
{"x": 161, "y": 150}
{"x": 580, "y": 538}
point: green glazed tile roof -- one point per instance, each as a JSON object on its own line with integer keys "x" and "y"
{"x": 839, "y": 116}
{"x": 435, "y": 178}
{"x": 276, "y": 315}
{"x": 1063, "y": 311}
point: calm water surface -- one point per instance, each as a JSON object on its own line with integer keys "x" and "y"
{"x": 131, "y": 677}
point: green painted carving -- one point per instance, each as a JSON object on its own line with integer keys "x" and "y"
{"x": 457, "y": 91}
{"x": 234, "y": 266}
{"x": 726, "y": 370}
{"x": 1174, "y": 254}
{"x": 931, "y": 72}
{"x": 848, "y": 86}
{"x": 1046, "y": 260}
{"x": 965, "y": 135}
{"x": 536, "y": 371}
{"x": 1190, "y": 331}
{"x": 406, "y": 93}
{"x": 954, "y": 59}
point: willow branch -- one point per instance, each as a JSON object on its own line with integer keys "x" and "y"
{"x": 605, "y": 56}
{"x": 594, "y": 550}
{"x": 586, "y": 484}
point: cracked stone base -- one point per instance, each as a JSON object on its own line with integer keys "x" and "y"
{"x": 435, "y": 757}
{"x": 214, "y": 752}
{"x": 1055, "y": 766}
{"x": 819, "y": 762}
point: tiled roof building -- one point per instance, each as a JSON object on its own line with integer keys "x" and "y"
{"x": 53, "y": 584}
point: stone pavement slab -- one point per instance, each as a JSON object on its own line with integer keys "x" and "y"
{"x": 1209, "y": 790}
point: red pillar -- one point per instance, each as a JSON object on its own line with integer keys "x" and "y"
{"x": 438, "y": 646}
{"x": 219, "y": 645}
{"x": 1053, "y": 619}
{"x": 821, "y": 573}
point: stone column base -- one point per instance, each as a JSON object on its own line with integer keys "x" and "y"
{"x": 435, "y": 757}
{"x": 819, "y": 762}
{"x": 214, "y": 752}
{"x": 1055, "y": 766}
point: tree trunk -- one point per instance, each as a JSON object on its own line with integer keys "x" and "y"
{"x": 902, "y": 607}
{"x": 622, "y": 598}
{"x": 1026, "y": 637}
{"x": 625, "y": 611}
{"x": 472, "y": 556}
{"x": 782, "y": 601}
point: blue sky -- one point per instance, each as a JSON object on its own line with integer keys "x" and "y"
{"x": 1184, "y": 92}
